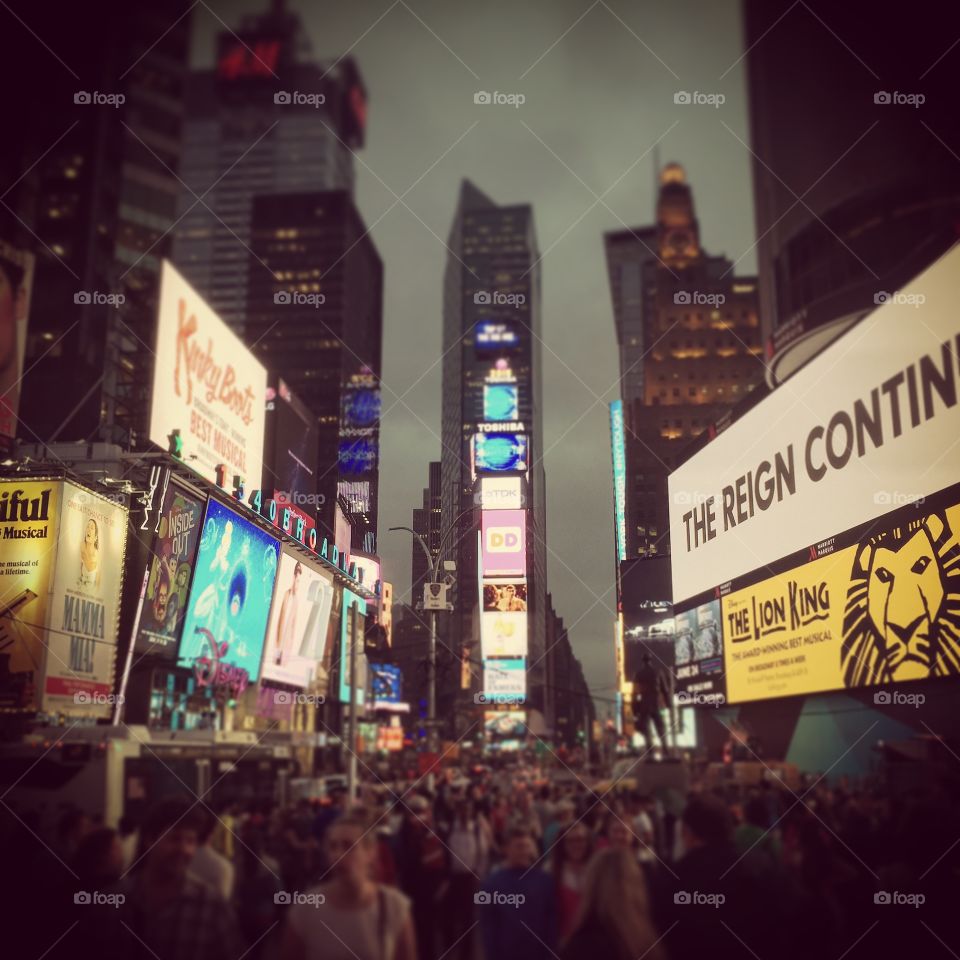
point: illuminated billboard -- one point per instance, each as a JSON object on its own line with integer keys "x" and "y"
{"x": 357, "y": 455}
{"x": 500, "y": 402}
{"x": 16, "y": 284}
{"x": 495, "y": 335}
{"x": 504, "y": 596}
{"x": 503, "y": 543}
{"x": 879, "y": 606}
{"x": 618, "y": 446}
{"x": 297, "y": 634}
{"x": 505, "y": 493}
{"x": 505, "y": 723}
{"x": 207, "y": 385}
{"x": 866, "y": 424}
{"x": 171, "y": 570}
{"x": 84, "y": 604}
{"x": 504, "y": 681}
{"x": 385, "y": 688}
{"x": 229, "y": 606}
{"x": 351, "y": 599}
{"x": 370, "y": 567}
{"x": 698, "y": 648}
{"x": 495, "y": 452}
{"x": 503, "y": 634}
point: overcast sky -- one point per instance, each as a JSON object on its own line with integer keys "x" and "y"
{"x": 599, "y": 80}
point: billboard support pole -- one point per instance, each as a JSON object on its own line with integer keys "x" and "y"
{"x": 352, "y": 715}
{"x": 122, "y": 692}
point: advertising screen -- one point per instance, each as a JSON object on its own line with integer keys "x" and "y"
{"x": 85, "y": 604}
{"x": 504, "y": 680}
{"x": 505, "y": 723}
{"x": 866, "y": 425}
{"x": 648, "y": 621}
{"x": 369, "y": 565}
{"x": 500, "y": 402}
{"x": 503, "y": 634}
{"x": 357, "y": 455}
{"x": 207, "y": 385}
{"x": 618, "y": 446}
{"x": 504, "y": 544}
{"x": 881, "y": 607}
{"x": 361, "y": 407}
{"x": 16, "y": 284}
{"x": 29, "y": 524}
{"x": 351, "y": 599}
{"x": 500, "y": 451}
{"x": 493, "y": 335}
{"x": 386, "y": 688}
{"x": 171, "y": 569}
{"x": 290, "y": 453}
{"x": 505, "y": 596}
{"x": 297, "y": 634}
{"x": 699, "y": 649}
{"x": 503, "y": 493}
{"x": 229, "y": 605}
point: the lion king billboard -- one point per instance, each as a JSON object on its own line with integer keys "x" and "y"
{"x": 877, "y": 605}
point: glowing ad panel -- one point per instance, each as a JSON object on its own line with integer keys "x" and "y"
{"x": 504, "y": 544}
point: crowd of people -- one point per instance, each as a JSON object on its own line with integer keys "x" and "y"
{"x": 510, "y": 865}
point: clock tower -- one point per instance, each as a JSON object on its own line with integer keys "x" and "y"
{"x": 678, "y": 233}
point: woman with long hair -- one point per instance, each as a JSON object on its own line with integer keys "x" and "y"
{"x": 613, "y": 920}
{"x": 571, "y": 856}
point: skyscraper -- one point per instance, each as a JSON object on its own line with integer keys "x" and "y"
{"x": 96, "y": 153}
{"x": 689, "y": 336}
{"x": 491, "y": 465}
{"x": 853, "y": 202}
{"x": 426, "y": 522}
{"x": 267, "y": 120}
{"x": 315, "y": 316}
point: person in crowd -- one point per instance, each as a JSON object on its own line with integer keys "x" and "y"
{"x": 562, "y": 818}
{"x": 423, "y": 871}
{"x": 258, "y": 881}
{"x": 469, "y": 844}
{"x": 571, "y": 854}
{"x": 167, "y": 913}
{"x": 614, "y": 920}
{"x": 72, "y": 827}
{"x": 209, "y": 865}
{"x": 350, "y": 916}
{"x": 129, "y": 839}
{"x": 756, "y": 832}
{"x": 98, "y": 862}
{"x": 517, "y": 907}
{"x": 644, "y": 830}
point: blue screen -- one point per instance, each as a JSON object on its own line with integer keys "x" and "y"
{"x": 495, "y": 335}
{"x": 499, "y": 402}
{"x": 358, "y": 456}
{"x": 385, "y": 680}
{"x": 361, "y": 408}
{"x": 500, "y": 451}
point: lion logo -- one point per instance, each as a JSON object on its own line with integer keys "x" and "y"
{"x": 902, "y": 617}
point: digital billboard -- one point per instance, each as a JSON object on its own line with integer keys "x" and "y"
{"x": 29, "y": 525}
{"x": 351, "y": 599}
{"x": 233, "y": 581}
{"x": 207, "y": 385}
{"x": 85, "y": 604}
{"x": 504, "y": 543}
{"x": 618, "y": 446}
{"x": 504, "y": 493}
{"x": 880, "y": 605}
{"x": 504, "y": 680}
{"x": 361, "y": 406}
{"x": 648, "y": 620}
{"x": 866, "y": 424}
{"x": 357, "y": 455}
{"x": 699, "y": 649}
{"x": 505, "y": 723}
{"x": 297, "y": 633}
{"x": 171, "y": 570}
{"x": 16, "y": 284}
{"x": 291, "y": 453}
{"x": 503, "y": 634}
{"x": 500, "y": 402}
{"x": 385, "y": 688}
{"x": 508, "y": 596}
{"x": 500, "y": 451}
{"x": 370, "y": 566}
{"x": 493, "y": 335}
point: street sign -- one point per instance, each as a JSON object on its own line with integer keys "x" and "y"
{"x": 435, "y": 596}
